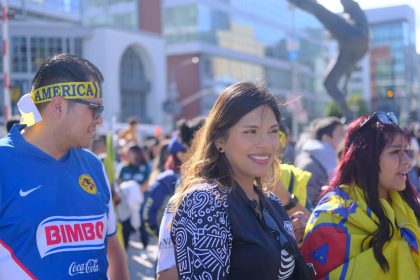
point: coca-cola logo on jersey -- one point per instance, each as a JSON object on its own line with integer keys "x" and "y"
{"x": 90, "y": 266}
{"x": 71, "y": 233}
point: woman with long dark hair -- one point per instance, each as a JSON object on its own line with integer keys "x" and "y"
{"x": 227, "y": 224}
{"x": 366, "y": 226}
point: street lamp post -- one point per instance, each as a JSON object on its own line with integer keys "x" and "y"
{"x": 173, "y": 85}
{"x": 293, "y": 47}
{"x": 7, "y": 109}
{"x": 171, "y": 105}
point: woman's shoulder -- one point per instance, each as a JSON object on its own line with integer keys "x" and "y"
{"x": 277, "y": 205}
{"x": 209, "y": 188}
{"x": 203, "y": 204}
{"x": 334, "y": 206}
{"x": 206, "y": 193}
{"x": 336, "y": 197}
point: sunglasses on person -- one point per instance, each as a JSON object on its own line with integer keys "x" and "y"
{"x": 382, "y": 118}
{"x": 97, "y": 109}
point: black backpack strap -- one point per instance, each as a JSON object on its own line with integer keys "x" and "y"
{"x": 291, "y": 182}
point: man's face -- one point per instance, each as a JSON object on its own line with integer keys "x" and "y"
{"x": 79, "y": 122}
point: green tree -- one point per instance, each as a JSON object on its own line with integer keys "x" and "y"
{"x": 356, "y": 103}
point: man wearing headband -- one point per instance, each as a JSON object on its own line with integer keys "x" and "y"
{"x": 56, "y": 215}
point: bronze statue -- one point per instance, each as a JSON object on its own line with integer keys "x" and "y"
{"x": 352, "y": 35}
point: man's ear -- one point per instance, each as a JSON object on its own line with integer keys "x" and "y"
{"x": 57, "y": 104}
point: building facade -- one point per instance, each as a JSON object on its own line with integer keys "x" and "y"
{"x": 129, "y": 52}
{"x": 183, "y": 53}
{"x": 244, "y": 40}
{"x": 394, "y": 81}
{"x": 32, "y": 39}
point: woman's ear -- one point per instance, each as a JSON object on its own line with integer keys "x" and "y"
{"x": 219, "y": 145}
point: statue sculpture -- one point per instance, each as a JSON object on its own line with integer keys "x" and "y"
{"x": 352, "y": 35}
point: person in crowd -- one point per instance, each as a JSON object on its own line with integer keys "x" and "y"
{"x": 164, "y": 186}
{"x": 415, "y": 158}
{"x": 294, "y": 178}
{"x": 56, "y": 214}
{"x": 227, "y": 225}
{"x": 289, "y": 152}
{"x": 135, "y": 167}
{"x": 291, "y": 190}
{"x": 319, "y": 155}
{"x": 152, "y": 146}
{"x": 98, "y": 146}
{"x": 11, "y": 122}
{"x": 367, "y": 224}
{"x": 128, "y": 135}
{"x": 128, "y": 208}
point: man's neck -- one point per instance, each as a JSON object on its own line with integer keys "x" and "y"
{"x": 45, "y": 139}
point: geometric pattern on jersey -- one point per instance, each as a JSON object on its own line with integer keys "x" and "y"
{"x": 203, "y": 238}
{"x": 287, "y": 265}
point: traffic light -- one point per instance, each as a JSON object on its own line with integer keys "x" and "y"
{"x": 390, "y": 93}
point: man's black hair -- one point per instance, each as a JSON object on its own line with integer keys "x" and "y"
{"x": 63, "y": 68}
{"x": 325, "y": 126}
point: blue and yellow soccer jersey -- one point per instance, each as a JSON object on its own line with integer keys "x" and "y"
{"x": 55, "y": 215}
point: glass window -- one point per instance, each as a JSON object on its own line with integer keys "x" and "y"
{"x": 78, "y": 50}
{"x": 67, "y": 7}
{"x": 54, "y": 46}
{"x": 68, "y": 47}
{"x": 38, "y": 53}
{"x": 134, "y": 86}
{"x": 19, "y": 54}
{"x": 241, "y": 33}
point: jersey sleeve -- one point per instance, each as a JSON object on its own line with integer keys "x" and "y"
{"x": 202, "y": 236}
{"x": 166, "y": 254}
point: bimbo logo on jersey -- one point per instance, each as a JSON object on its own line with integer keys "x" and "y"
{"x": 72, "y": 233}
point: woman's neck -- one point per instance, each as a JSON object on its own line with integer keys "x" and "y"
{"x": 248, "y": 188}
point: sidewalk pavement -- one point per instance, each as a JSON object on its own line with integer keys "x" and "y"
{"x": 141, "y": 263}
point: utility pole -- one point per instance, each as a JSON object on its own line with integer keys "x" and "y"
{"x": 7, "y": 109}
{"x": 293, "y": 53}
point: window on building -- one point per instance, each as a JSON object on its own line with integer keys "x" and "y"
{"x": 38, "y": 53}
{"x": 78, "y": 50}
{"x": 134, "y": 86}
{"x": 54, "y": 46}
{"x": 19, "y": 54}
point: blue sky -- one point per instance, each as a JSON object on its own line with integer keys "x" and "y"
{"x": 335, "y": 6}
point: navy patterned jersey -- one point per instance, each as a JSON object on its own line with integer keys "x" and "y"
{"x": 217, "y": 235}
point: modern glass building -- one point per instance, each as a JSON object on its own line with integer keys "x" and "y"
{"x": 394, "y": 65}
{"x": 244, "y": 40}
{"x": 39, "y": 29}
{"x": 121, "y": 37}
{"x": 115, "y": 13}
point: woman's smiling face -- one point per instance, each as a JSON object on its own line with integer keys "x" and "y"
{"x": 394, "y": 164}
{"x": 251, "y": 145}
